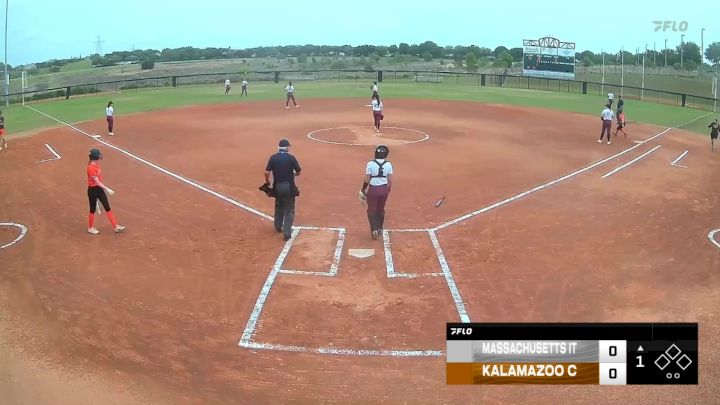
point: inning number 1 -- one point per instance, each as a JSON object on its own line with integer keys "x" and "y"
{"x": 639, "y": 361}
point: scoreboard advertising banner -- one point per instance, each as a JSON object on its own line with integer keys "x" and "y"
{"x": 599, "y": 354}
{"x": 549, "y": 57}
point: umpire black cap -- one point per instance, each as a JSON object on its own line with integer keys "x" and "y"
{"x": 284, "y": 143}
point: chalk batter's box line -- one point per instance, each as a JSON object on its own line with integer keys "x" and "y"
{"x": 248, "y": 342}
{"x": 390, "y": 264}
{"x": 334, "y": 266}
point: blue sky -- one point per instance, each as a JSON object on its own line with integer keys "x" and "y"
{"x": 45, "y": 29}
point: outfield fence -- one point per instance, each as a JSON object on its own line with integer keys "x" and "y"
{"x": 394, "y": 76}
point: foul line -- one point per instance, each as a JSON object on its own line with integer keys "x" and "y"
{"x": 711, "y": 236}
{"x": 57, "y": 156}
{"x": 454, "y": 291}
{"x": 617, "y": 169}
{"x": 674, "y": 162}
{"x": 168, "y": 172}
{"x": 23, "y": 232}
{"x": 546, "y": 185}
{"x": 693, "y": 120}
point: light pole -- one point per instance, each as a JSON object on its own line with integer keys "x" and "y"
{"x": 665, "y": 52}
{"x": 7, "y": 78}
{"x": 682, "y": 42}
{"x": 702, "y": 56}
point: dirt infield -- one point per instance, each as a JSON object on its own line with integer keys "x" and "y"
{"x": 157, "y": 313}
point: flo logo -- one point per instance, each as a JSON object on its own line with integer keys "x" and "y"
{"x": 676, "y": 26}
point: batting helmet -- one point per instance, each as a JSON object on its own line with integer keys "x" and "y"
{"x": 95, "y": 154}
{"x": 381, "y": 152}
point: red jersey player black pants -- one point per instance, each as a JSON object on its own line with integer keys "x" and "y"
{"x": 97, "y": 193}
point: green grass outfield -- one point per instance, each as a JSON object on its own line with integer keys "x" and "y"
{"x": 89, "y": 107}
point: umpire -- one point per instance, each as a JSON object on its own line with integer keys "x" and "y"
{"x": 284, "y": 168}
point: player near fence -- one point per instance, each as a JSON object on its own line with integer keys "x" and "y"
{"x": 611, "y": 98}
{"x": 606, "y": 116}
{"x": 377, "y": 110}
{"x": 110, "y": 117}
{"x": 290, "y": 90}
{"x": 284, "y": 168}
{"x": 620, "y": 105}
{"x": 620, "y": 123}
{"x": 3, "y": 144}
{"x": 376, "y": 189}
{"x": 244, "y": 87}
{"x": 97, "y": 192}
{"x": 227, "y": 86}
{"x": 374, "y": 89}
{"x": 714, "y": 130}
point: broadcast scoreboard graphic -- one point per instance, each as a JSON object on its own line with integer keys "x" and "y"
{"x": 572, "y": 353}
{"x": 549, "y": 57}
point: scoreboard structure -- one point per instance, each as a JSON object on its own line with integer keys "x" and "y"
{"x": 549, "y": 57}
{"x": 572, "y": 353}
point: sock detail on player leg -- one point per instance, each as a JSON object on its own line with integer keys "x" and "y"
{"x": 111, "y": 217}
{"x": 91, "y": 220}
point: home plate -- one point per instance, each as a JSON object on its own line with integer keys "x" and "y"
{"x": 361, "y": 253}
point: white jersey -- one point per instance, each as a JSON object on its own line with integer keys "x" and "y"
{"x": 290, "y": 89}
{"x": 374, "y": 87}
{"x": 376, "y": 106}
{"x": 244, "y": 83}
{"x": 109, "y": 111}
{"x": 607, "y": 114}
{"x": 611, "y": 96}
{"x": 373, "y": 169}
{"x": 227, "y": 82}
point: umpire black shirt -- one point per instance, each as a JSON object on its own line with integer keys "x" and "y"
{"x": 283, "y": 167}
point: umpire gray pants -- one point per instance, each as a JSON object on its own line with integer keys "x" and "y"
{"x": 284, "y": 207}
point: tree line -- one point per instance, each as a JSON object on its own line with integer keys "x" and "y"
{"x": 462, "y": 56}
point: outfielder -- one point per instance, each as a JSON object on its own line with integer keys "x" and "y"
{"x": 227, "y": 86}
{"x": 244, "y": 87}
{"x": 376, "y": 189}
{"x": 96, "y": 191}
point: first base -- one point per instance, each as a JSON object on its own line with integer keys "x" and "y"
{"x": 361, "y": 253}
{"x": 96, "y": 136}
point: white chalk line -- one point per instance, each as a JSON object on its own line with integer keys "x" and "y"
{"x": 163, "y": 170}
{"x": 454, "y": 291}
{"x": 693, "y": 120}
{"x": 617, "y": 169}
{"x": 544, "y": 186}
{"x": 390, "y": 264}
{"x": 346, "y": 352}
{"x": 711, "y": 236}
{"x": 426, "y": 136}
{"x": 247, "y": 341}
{"x": 260, "y": 303}
{"x": 57, "y": 156}
{"x": 23, "y": 232}
{"x": 674, "y": 162}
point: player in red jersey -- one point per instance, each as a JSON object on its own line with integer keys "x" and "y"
{"x": 96, "y": 191}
